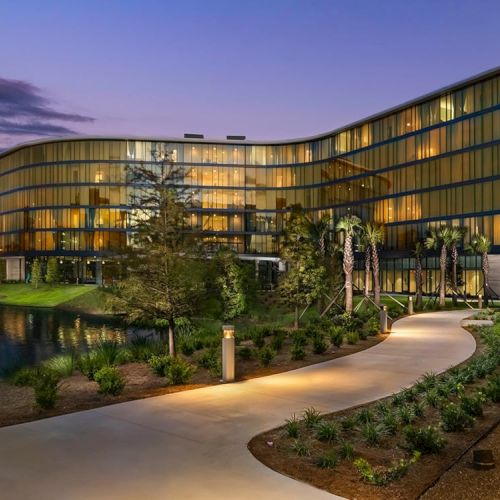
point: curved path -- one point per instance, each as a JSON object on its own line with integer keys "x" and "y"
{"x": 192, "y": 444}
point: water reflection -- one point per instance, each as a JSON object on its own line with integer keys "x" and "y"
{"x": 31, "y": 335}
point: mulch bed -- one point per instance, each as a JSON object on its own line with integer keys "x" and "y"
{"x": 344, "y": 478}
{"x": 76, "y": 393}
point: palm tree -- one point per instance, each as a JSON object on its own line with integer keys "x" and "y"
{"x": 439, "y": 240}
{"x": 348, "y": 224}
{"x": 319, "y": 234}
{"x": 418, "y": 253}
{"x": 374, "y": 234}
{"x": 481, "y": 245}
{"x": 456, "y": 235}
{"x": 366, "y": 249}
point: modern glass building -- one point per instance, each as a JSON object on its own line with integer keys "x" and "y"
{"x": 431, "y": 161}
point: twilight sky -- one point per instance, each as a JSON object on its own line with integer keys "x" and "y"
{"x": 267, "y": 69}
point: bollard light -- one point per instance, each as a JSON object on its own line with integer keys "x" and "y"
{"x": 480, "y": 301}
{"x": 410, "y": 305}
{"x": 228, "y": 353}
{"x": 383, "y": 320}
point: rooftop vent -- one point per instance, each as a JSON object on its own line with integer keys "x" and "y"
{"x": 236, "y": 137}
{"x": 194, "y": 136}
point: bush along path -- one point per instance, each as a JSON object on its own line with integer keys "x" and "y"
{"x": 398, "y": 446}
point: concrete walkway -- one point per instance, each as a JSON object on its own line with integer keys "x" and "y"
{"x": 192, "y": 444}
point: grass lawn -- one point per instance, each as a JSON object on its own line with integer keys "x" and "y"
{"x": 21, "y": 294}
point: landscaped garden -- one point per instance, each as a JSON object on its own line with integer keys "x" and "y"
{"x": 398, "y": 446}
{"x": 113, "y": 372}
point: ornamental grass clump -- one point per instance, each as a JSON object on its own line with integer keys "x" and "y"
{"x": 365, "y": 416}
{"x": 278, "y": 339}
{"x": 63, "y": 364}
{"x": 327, "y": 460}
{"x": 312, "y": 417}
{"x": 406, "y": 414}
{"x": 346, "y": 451}
{"x": 300, "y": 448}
{"x": 88, "y": 364}
{"x": 390, "y": 422}
{"x": 432, "y": 398}
{"x": 292, "y": 427}
{"x": 110, "y": 381}
{"x": 106, "y": 352}
{"x": 425, "y": 440}
{"x": 373, "y": 433}
{"x": 348, "y": 423}
{"x": 326, "y": 431}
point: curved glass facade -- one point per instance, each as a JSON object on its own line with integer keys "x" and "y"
{"x": 432, "y": 161}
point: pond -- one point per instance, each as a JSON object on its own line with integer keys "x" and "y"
{"x": 28, "y": 336}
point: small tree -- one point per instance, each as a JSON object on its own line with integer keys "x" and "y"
{"x": 231, "y": 283}
{"x": 305, "y": 279}
{"x": 52, "y": 275}
{"x": 349, "y": 225}
{"x": 36, "y": 273}
{"x": 456, "y": 235}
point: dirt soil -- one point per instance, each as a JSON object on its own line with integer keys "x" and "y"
{"x": 463, "y": 482}
{"x": 76, "y": 393}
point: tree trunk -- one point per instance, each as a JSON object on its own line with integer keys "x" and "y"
{"x": 171, "y": 338}
{"x": 418, "y": 281}
{"x": 442, "y": 278}
{"x": 376, "y": 273}
{"x": 348, "y": 267}
{"x": 485, "y": 265}
{"x": 296, "y": 318}
{"x": 454, "y": 260}
{"x": 367, "y": 270}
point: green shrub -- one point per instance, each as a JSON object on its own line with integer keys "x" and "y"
{"x": 88, "y": 364}
{"x": 297, "y": 352}
{"x": 187, "y": 347}
{"x": 299, "y": 338}
{"x": 473, "y": 405}
{"x": 326, "y": 431}
{"x": 24, "y": 377}
{"x": 179, "y": 372}
{"x": 492, "y": 390}
{"x": 301, "y": 448}
{"x": 292, "y": 427}
{"x": 363, "y": 334}
{"x": 278, "y": 339}
{"x": 312, "y": 417}
{"x": 373, "y": 433}
{"x": 337, "y": 336}
{"x": 425, "y": 440}
{"x": 159, "y": 364}
{"x": 352, "y": 338}
{"x": 319, "y": 344}
{"x": 209, "y": 359}
{"x": 124, "y": 356}
{"x": 381, "y": 476}
{"x": 63, "y": 364}
{"x": 346, "y": 451}
{"x": 372, "y": 326}
{"x": 266, "y": 355}
{"x": 258, "y": 338}
{"x": 327, "y": 460}
{"x": 245, "y": 353}
{"x": 110, "y": 380}
{"x": 454, "y": 418}
{"x": 46, "y": 384}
